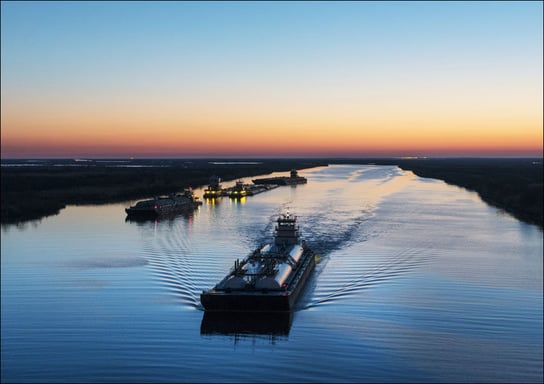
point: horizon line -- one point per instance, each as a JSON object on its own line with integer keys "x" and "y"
{"x": 91, "y": 158}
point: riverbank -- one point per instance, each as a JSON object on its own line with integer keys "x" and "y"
{"x": 32, "y": 190}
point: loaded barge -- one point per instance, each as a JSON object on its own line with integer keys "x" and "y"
{"x": 270, "y": 279}
{"x": 242, "y": 190}
{"x": 292, "y": 179}
{"x": 164, "y": 206}
{"x": 239, "y": 190}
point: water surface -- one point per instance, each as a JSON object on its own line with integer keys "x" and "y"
{"x": 417, "y": 281}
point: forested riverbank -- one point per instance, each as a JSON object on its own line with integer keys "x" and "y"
{"x": 34, "y": 190}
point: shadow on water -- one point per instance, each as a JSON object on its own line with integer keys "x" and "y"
{"x": 271, "y": 324}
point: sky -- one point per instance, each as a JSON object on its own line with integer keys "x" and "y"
{"x": 271, "y": 79}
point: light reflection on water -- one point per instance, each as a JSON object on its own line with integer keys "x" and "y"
{"x": 417, "y": 281}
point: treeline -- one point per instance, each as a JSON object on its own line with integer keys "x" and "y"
{"x": 33, "y": 192}
{"x": 512, "y": 184}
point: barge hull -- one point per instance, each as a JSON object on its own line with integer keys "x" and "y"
{"x": 260, "y": 301}
{"x": 159, "y": 213}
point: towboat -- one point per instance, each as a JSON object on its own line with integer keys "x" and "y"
{"x": 238, "y": 191}
{"x": 214, "y": 188}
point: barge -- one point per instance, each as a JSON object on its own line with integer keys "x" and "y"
{"x": 242, "y": 190}
{"x": 269, "y": 279}
{"x": 293, "y": 179}
{"x": 161, "y": 206}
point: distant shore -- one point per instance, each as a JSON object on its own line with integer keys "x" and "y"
{"x": 33, "y": 190}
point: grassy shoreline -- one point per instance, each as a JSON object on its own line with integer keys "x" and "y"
{"x": 32, "y": 192}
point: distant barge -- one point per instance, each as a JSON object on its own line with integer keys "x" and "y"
{"x": 241, "y": 190}
{"x": 293, "y": 179}
{"x": 164, "y": 206}
{"x": 270, "y": 279}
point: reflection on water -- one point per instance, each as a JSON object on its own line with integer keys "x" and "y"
{"x": 240, "y": 323}
{"x": 417, "y": 280}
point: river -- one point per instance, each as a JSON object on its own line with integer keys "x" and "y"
{"x": 417, "y": 281}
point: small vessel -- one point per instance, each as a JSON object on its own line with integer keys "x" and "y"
{"x": 214, "y": 188}
{"x": 164, "y": 205}
{"x": 293, "y": 179}
{"x": 269, "y": 279}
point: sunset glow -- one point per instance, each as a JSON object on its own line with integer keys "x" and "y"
{"x": 244, "y": 79}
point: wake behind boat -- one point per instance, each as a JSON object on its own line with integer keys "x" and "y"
{"x": 270, "y": 279}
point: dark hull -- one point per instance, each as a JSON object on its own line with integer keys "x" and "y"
{"x": 214, "y": 194}
{"x": 261, "y": 301}
{"x": 281, "y": 180}
{"x": 256, "y": 189}
{"x": 159, "y": 212}
{"x": 141, "y": 213}
{"x": 238, "y": 195}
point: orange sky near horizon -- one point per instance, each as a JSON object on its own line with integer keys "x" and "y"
{"x": 309, "y": 131}
{"x": 285, "y": 140}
